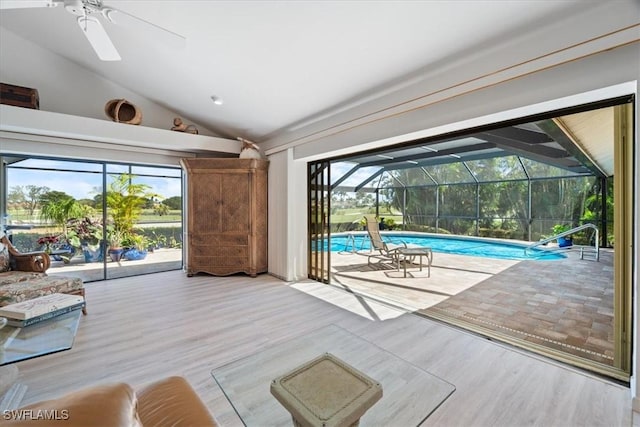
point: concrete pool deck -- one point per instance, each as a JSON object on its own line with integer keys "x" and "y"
{"x": 564, "y": 305}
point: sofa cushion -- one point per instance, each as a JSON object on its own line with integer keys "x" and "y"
{"x": 172, "y": 402}
{"x": 37, "y": 287}
{"x": 105, "y": 405}
{"x": 14, "y": 276}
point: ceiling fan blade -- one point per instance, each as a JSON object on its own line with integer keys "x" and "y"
{"x": 98, "y": 38}
{"x": 24, "y": 4}
{"x": 152, "y": 31}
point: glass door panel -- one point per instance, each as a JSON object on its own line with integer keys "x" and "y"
{"x": 144, "y": 220}
{"x": 319, "y": 194}
{"x": 52, "y": 206}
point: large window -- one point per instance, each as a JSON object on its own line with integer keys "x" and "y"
{"x": 97, "y": 220}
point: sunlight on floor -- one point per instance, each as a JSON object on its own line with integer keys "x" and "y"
{"x": 347, "y": 301}
{"x": 450, "y": 275}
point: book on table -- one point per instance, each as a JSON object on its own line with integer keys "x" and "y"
{"x": 38, "y": 306}
{"x": 46, "y": 316}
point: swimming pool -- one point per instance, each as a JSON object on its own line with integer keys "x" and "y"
{"x": 472, "y": 246}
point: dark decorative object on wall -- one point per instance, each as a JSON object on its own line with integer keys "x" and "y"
{"x": 122, "y": 111}
{"x": 19, "y": 96}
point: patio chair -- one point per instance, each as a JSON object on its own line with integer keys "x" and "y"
{"x": 383, "y": 250}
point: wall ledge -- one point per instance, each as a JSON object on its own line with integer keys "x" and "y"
{"x": 47, "y": 123}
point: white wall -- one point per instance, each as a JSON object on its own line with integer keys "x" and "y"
{"x": 278, "y": 244}
{"x": 287, "y": 217}
{"x": 65, "y": 87}
{"x": 512, "y": 98}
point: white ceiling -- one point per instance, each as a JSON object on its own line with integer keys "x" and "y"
{"x": 278, "y": 64}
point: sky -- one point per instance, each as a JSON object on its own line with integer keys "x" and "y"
{"x": 60, "y": 176}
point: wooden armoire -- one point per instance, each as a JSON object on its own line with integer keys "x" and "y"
{"x": 226, "y": 216}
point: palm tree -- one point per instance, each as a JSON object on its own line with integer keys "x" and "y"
{"x": 125, "y": 201}
{"x": 59, "y": 207}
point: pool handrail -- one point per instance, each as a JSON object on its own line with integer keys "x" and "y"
{"x": 351, "y": 240}
{"x": 568, "y": 232}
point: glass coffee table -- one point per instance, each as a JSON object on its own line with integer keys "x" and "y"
{"x": 410, "y": 394}
{"x": 49, "y": 336}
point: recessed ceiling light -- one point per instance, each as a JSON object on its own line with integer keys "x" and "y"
{"x": 217, "y": 100}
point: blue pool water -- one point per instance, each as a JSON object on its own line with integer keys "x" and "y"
{"x": 452, "y": 245}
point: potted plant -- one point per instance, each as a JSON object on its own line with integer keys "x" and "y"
{"x": 86, "y": 233}
{"x": 116, "y": 250}
{"x": 565, "y": 241}
{"x": 47, "y": 241}
{"x": 138, "y": 248}
{"x": 389, "y": 224}
{"x": 125, "y": 200}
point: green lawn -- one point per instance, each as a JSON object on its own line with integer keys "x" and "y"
{"x": 356, "y": 214}
{"x": 148, "y": 216}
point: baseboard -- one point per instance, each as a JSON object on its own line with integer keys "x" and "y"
{"x": 12, "y": 398}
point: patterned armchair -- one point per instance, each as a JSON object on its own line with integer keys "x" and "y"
{"x": 23, "y": 276}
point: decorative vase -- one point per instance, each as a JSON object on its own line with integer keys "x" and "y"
{"x": 93, "y": 253}
{"x": 134, "y": 254}
{"x": 116, "y": 254}
{"x": 122, "y": 111}
{"x": 249, "y": 150}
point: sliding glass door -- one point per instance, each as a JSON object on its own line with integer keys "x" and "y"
{"x": 96, "y": 220}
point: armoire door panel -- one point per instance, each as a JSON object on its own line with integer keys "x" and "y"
{"x": 234, "y": 209}
{"x": 206, "y": 202}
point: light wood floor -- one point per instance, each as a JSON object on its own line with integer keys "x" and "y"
{"x": 144, "y": 328}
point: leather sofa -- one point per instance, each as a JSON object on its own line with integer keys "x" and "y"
{"x": 168, "y": 402}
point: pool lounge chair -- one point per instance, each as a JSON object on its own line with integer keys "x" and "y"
{"x": 381, "y": 250}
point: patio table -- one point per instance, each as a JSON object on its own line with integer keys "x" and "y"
{"x": 407, "y": 253}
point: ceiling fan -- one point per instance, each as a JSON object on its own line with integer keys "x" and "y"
{"x": 88, "y": 11}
